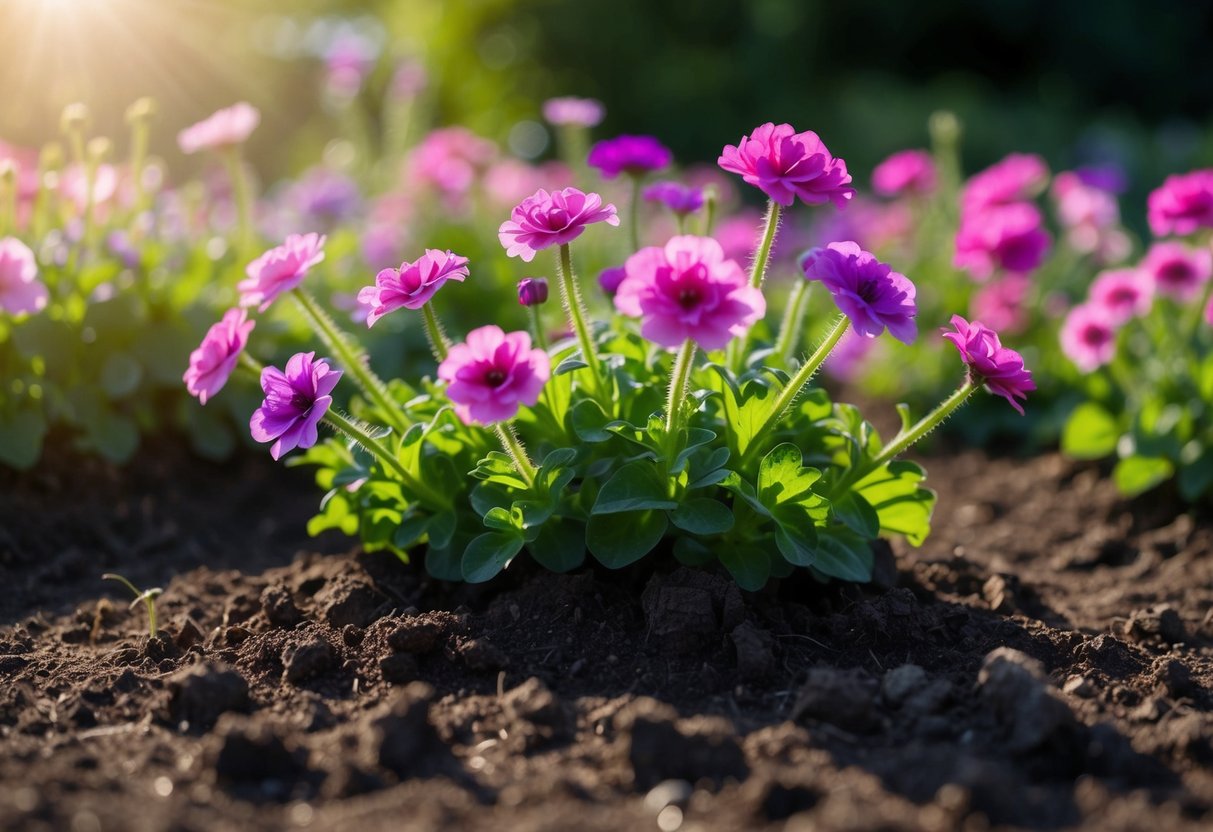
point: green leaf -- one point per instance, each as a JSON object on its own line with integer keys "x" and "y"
{"x": 782, "y": 477}
{"x": 411, "y": 529}
{"x": 857, "y": 514}
{"x": 120, "y": 375}
{"x": 843, "y": 554}
{"x": 1090, "y": 433}
{"x": 1137, "y": 474}
{"x": 570, "y": 364}
{"x": 796, "y": 537}
{"x": 901, "y": 504}
{"x": 499, "y": 468}
{"x": 560, "y": 545}
{"x": 505, "y": 520}
{"x": 692, "y": 552}
{"x": 21, "y": 437}
{"x": 445, "y": 562}
{"x": 1196, "y": 476}
{"x": 589, "y": 421}
{"x": 488, "y": 554}
{"x": 114, "y": 436}
{"x": 703, "y": 516}
{"x": 442, "y": 529}
{"x": 617, "y": 540}
{"x": 636, "y": 485}
{"x": 750, "y": 566}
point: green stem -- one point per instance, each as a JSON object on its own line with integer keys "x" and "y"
{"x": 634, "y": 213}
{"x": 574, "y": 306}
{"x": 710, "y": 202}
{"x": 680, "y": 376}
{"x": 251, "y": 364}
{"x": 353, "y": 430}
{"x": 440, "y": 345}
{"x": 351, "y": 358}
{"x": 541, "y": 338}
{"x": 758, "y": 270}
{"x": 1192, "y": 325}
{"x": 513, "y": 446}
{"x": 792, "y": 325}
{"x": 242, "y": 193}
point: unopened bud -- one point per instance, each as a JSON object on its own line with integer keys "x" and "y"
{"x": 51, "y": 157}
{"x": 142, "y": 110}
{"x": 532, "y": 291}
{"x": 99, "y": 149}
{"x": 944, "y": 127}
{"x": 610, "y": 279}
{"x": 74, "y": 118}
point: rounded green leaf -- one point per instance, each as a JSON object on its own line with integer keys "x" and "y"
{"x": 21, "y": 438}
{"x": 702, "y": 515}
{"x": 617, "y": 540}
{"x": 560, "y": 545}
{"x": 1090, "y": 432}
{"x": 488, "y": 554}
{"x": 1137, "y": 474}
{"x": 637, "y": 485}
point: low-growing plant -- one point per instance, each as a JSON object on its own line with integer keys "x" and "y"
{"x": 147, "y": 597}
{"x": 673, "y": 425}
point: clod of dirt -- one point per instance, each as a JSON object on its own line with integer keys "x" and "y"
{"x": 1002, "y": 593}
{"x": 687, "y": 610}
{"x": 403, "y": 738}
{"x": 249, "y": 751}
{"x": 1111, "y": 655}
{"x": 418, "y": 634}
{"x": 846, "y": 698}
{"x": 662, "y": 747}
{"x": 347, "y": 601}
{"x": 1016, "y": 686}
{"x": 279, "y": 607}
{"x": 305, "y": 659}
{"x": 755, "y": 651}
{"x": 1190, "y": 735}
{"x": 900, "y": 682}
{"x": 539, "y": 718}
{"x": 1159, "y": 624}
{"x": 189, "y": 633}
{"x": 161, "y": 647}
{"x": 1080, "y": 686}
{"x": 779, "y": 798}
{"x": 398, "y": 668}
{"x": 199, "y": 694}
{"x": 481, "y": 654}
{"x": 1175, "y": 678}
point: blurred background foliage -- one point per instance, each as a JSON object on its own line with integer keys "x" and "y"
{"x": 1078, "y": 81}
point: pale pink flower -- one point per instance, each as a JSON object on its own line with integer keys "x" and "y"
{"x": 449, "y": 160}
{"x": 905, "y": 172}
{"x": 1177, "y": 270}
{"x": 212, "y": 363}
{"x": 280, "y": 269}
{"x": 1088, "y": 337}
{"x": 224, "y": 128}
{"x": 493, "y": 373}
{"x": 1123, "y": 294}
{"x": 20, "y": 289}
{"x": 1018, "y": 177}
{"x": 582, "y": 112}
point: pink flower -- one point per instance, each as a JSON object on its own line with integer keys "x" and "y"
{"x": 1182, "y": 204}
{"x": 687, "y": 289}
{"x": 449, "y": 160}
{"x": 551, "y": 219}
{"x": 905, "y": 172}
{"x": 1123, "y": 294}
{"x": 582, "y": 112}
{"x": 1088, "y": 337}
{"x": 1001, "y": 238}
{"x": 225, "y": 128}
{"x": 1001, "y": 302}
{"x": 867, "y": 291}
{"x": 20, "y": 289}
{"x": 1000, "y": 369}
{"x": 1176, "y": 270}
{"x": 280, "y": 269}
{"x": 1018, "y": 177}
{"x": 510, "y": 181}
{"x": 413, "y": 284}
{"x": 408, "y": 80}
{"x": 295, "y": 402}
{"x": 1091, "y": 217}
{"x": 633, "y": 155}
{"x": 212, "y": 363}
{"x": 785, "y": 164}
{"x": 492, "y": 373}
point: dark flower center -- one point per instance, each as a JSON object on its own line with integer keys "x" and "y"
{"x": 301, "y": 402}
{"x": 689, "y": 297}
{"x": 494, "y": 377}
{"x": 1123, "y": 296}
{"x": 867, "y": 290}
{"x": 1176, "y": 273}
{"x": 1096, "y": 336}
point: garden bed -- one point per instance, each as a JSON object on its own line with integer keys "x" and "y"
{"x": 1043, "y": 661}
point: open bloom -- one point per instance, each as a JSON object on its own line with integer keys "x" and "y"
{"x": 212, "y": 363}
{"x": 1182, "y": 204}
{"x": 224, "y": 128}
{"x": 1088, "y": 337}
{"x": 1001, "y": 238}
{"x": 551, "y": 219}
{"x": 413, "y": 284}
{"x": 1000, "y": 369}
{"x": 492, "y": 373}
{"x": 681, "y": 199}
{"x": 1091, "y": 217}
{"x": 1018, "y": 177}
{"x": 582, "y": 112}
{"x": 280, "y": 269}
{"x": 20, "y": 289}
{"x": 1177, "y": 270}
{"x": 905, "y": 172}
{"x": 687, "y": 289}
{"x": 633, "y": 155}
{"x": 449, "y": 160}
{"x": 295, "y": 402}
{"x": 867, "y": 291}
{"x": 1122, "y": 294}
{"x": 1001, "y": 302}
{"x": 785, "y": 164}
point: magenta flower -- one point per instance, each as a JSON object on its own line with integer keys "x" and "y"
{"x": 295, "y": 402}
{"x": 1088, "y": 337}
{"x": 1001, "y": 302}
{"x": 905, "y": 172}
{"x": 492, "y": 373}
{"x": 1007, "y": 238}
{"x": 212, "y": 363}
{"x": 1018, "y": 177}
{"x": 1123, "y": 294}
{"x": 785, "y": 164}
{"x": 532, "y": 291}
{"x": 581, "y": 112}
{"x": 1177, "y": 270}
{"x": 551, "y": 219}
{"x": 867, "y": 291}
{"x": 225, "y": 128}
{"x": 20, "y": 289}
{"x": 413, "y": 284}
{"x": 280, "y": 269}
{"x": 679, "y": 198}
{"x": 610, "y": 278}
{"x": 1000, "y": 369}
{"x": 1182, "y": 204}
{"x": 633, "y": 155}
{"x": 687, "y": 289}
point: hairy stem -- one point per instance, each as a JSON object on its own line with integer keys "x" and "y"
{"x": 514, "y": 447}
{"x": 792, "y": 325}
{"x": 680, "y": 376}
{"x": 574, "y": 306}
{"x": 440, "y": 345}
{"x": 351, "y": 429}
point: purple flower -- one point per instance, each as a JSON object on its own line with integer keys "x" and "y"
{"x": 20, "y": 289}
{"x": 867, "y": 291}
{"x": 1018, "y": 177}
{"x": 679, "y": 198}
{"x": 551, "y": 219}
{"x": 491, "y": 374}
{"x": 295, "y": 402}
{"x": 1123, "y": 294}
{"x": 687, "y": 289}
{"x": 582, "y": 112}
{"x": 1182, "y": 204}
{"x": 905, "y": 172}
{"x": 212, "y": 363}
{"x": 1000, "y": 369}
{"x": 413, "y": 284}
{"x": 633, "y": 155}
{"x": 1108, "y": 177}
{"x": 224, "y": 128}
{"x": 1001, "y": 238}
{"x": 1088, "y": 337}
{"x": 1177, "y": 270}
{"x": 323, "y": 195}
{"x": 610, "y": 278}
{"x": 785, "y": 164}
{"x": 532, "y": 291}
{"x": 280, "y": 269}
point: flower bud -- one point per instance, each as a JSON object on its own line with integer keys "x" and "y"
{"x": 944, "y": 127}
{"x": 74, "y": 118}
{"x": 532, "y": 291}
{"x": 610, "y": 279}
{"x": 51, "y": 157}
{"x": 141, "y": 111}
{"x": 99, "y": 149}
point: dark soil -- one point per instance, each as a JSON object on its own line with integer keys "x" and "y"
{"x": 1044, "y": 661}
